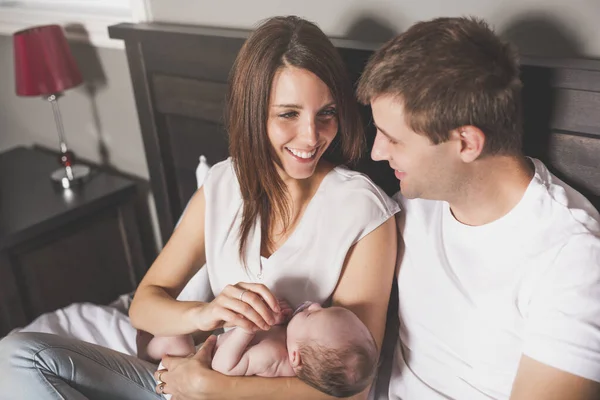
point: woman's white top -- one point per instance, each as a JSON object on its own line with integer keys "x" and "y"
{"x": 346, "y": 207}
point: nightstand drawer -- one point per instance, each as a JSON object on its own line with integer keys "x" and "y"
{"x": 87, "y": 261}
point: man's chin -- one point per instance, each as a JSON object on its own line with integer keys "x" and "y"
{"x": 407, "y": 193}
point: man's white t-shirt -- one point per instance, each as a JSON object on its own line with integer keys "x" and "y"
{"x": 473, "y": 299}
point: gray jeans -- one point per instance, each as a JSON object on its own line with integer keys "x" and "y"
{"x": 40, "y": 366}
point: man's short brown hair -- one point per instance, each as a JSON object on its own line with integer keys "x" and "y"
{"x": 448, "y": 73}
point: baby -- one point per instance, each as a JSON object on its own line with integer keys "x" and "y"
{"x": 327, "y": 348}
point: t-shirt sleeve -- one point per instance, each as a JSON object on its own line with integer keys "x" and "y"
{"x": 366, "y": 208}
{"x": 563, "y": 325}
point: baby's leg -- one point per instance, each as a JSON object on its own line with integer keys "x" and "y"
{"x": 161, "y": 346}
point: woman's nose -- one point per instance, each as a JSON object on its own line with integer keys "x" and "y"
{"x": 311, "y": 133}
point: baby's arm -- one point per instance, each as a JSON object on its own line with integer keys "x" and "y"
{"x": 231, "y": 357}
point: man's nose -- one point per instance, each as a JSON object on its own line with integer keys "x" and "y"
{"x": 379, "y": 151}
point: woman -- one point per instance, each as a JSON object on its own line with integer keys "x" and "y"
{"x": 277, "y": 219}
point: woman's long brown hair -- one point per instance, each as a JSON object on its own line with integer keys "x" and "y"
{"x": 279, "y": 42}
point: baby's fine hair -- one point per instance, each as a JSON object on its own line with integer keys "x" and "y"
{"x": 339, "y": 372}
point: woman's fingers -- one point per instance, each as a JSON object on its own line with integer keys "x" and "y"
{"x": 250, "y": 306}
{"x": 160, "y": 388}
{"x": 161, "y": 378}
{"x": 252, "y": 309}
{"x": 232, "y": 319}
{"x": 161, "y": 375}
{"x": 263, "y": 292}
{"x": 243, "y": 294}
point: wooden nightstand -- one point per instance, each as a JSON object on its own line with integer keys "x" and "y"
{"x": 58, "y": 247}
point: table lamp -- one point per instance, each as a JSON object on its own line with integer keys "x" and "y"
{"x": 44, "y": 66}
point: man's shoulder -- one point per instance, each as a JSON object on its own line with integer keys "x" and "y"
{"x": 417, "y": 207}
{"x": 580, "y": 250}
{"x": 564, "y": 203}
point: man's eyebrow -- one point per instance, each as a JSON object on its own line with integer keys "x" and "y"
{"x": 384, "y": 133}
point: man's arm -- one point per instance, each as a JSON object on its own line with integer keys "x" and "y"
{"x": 538, "y": 381}
{"x": 561, "y": 348}
{"x": 231, "y": 357}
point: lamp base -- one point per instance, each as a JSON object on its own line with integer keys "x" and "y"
{"x": 80, "y": 173}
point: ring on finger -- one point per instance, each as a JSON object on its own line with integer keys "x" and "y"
{"x": 242, "y": 294}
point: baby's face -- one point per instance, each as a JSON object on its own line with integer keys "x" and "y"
{"x": 329, "y": 327}
{"x": 302, "y": 321}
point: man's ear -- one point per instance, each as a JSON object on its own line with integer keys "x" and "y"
{"x": 472, "y": 142}
{"x": 295, "y": 359}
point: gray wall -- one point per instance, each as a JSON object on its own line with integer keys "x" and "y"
{"x": 101, "y": 120}
{"x": 100, "y": 117}
{"x": 539, "y": 27}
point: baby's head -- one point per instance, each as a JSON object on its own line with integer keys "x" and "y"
{"x": 331, "y": 350}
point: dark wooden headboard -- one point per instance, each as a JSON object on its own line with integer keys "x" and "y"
{"x": 179, "y": 76}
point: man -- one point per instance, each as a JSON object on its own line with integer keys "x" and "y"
{"x": 499, "y": 280}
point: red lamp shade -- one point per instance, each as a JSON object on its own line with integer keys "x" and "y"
{"x": 44, "y": 64}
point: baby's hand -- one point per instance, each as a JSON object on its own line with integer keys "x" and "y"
{"x": 285, "y": 314}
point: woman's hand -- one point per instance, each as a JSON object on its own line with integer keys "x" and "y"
{"x": 250, "y": 306}
{"x": 187, "y": 378}
{"x": 285, "y": 313}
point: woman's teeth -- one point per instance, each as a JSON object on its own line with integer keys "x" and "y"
{"x": 302, "y": 154}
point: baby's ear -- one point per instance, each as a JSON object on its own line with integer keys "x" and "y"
{"x": 295, "y": 359}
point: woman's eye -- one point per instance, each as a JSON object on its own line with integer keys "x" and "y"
{"x": 290, "y": 114}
